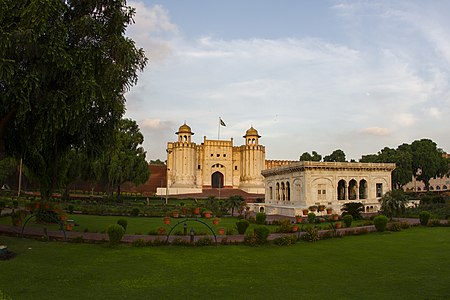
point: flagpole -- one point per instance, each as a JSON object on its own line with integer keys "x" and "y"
{"x": 218, "y": 131}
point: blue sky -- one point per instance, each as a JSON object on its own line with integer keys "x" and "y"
{"x": 308, "y": 75}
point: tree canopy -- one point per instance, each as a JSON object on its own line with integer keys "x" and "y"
{"x": 428, "y": 161}
{"x": 64, "y": 69}
{"x": 124, "y": 160}
{"x": 336, "y": 156}
{"x": 314, "y": 156}
{"x": 421, "y": 159}
{"x": 402, "y": 157}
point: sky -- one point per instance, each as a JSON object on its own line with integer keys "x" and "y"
{"x": 308, "y": 75}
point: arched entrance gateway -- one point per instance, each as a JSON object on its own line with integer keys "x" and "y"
{"x": 217, "y": 180}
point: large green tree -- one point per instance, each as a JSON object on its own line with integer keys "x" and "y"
{"x": 124, "y": 160}
{"x": 336, "y": 156}
{"x": 64, "y": 69}
{"x": 314, "y": 156}
{"x": 421, "y": 159}
{"x": 402, "y": 157}
{"x": 428, "y": 161}
{"x": 7, "y": 167}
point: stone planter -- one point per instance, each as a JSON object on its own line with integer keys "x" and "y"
{"x": 167, "y": 220}
{"x": 221, "y": 231}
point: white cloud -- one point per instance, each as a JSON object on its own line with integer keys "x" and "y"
{"x": 152, "y": 30}
{"x": 434, "y": 112}
{"x": 405, "y": 119}
{"x": 300, "y": 93}
{"x": 152, "y": 20}
{"x": 377, "y": 131}
{"x": 154, "y": 124}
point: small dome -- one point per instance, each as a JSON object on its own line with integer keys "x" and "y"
{"x": 184, "y": 129}
{"x": 252, "y": 132}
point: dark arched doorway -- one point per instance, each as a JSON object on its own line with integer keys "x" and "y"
{"x": 217, "y": 180}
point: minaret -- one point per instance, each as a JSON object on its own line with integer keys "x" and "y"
{"x": 252, "y": 161}
{"x": 184, "y": 159}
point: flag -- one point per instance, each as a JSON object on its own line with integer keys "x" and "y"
{"x": 222, "y": 122}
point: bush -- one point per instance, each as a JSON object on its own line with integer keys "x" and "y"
{"x": 115, "y": 234}
{"x": 70, "y": 209}
{"x": 360, "y": 231}
{"x": 424, "y": 217}
{"x": 15, "y": 203}
{"x": 139, "y": 243}
{"x": 4, "y": 296}
{"x": 78, "y": 239}
{"x": 286, "y": 240}
{"x": 205, "y": 241}
{"x": 285, "y": 226}
{"x": 434, "y": 223}
{"x": 135, "y": 212}
{"x": 311, "y": 217}
{"x": 17, "y": 217}
{"x": 261, "y": 218}
{"x": 348, "y": 219}
{"x": 250, "y": 240}
{"x": 242, "y": 226}
{"x": 395, "y": 227}
{"x": 404, "y": 225}
{"x": 380, "y": 222}
{"x": 179, "y": 242}
{"x": 123, "y": 223}
{"x": 311, "y": 234}
{"x": 231, "y": 231}
{"x": 261, "y": 234}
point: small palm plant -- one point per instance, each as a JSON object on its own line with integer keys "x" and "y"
{"x": 393, "y": 203}
{"x": 354, "y": 209}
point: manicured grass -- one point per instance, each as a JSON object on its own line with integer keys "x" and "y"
{"x": 411, "y": 264}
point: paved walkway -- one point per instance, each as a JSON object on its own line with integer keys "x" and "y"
{"x": 92, "y": 237}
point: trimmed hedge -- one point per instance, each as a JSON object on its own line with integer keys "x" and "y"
{"x": 380, "y": 222}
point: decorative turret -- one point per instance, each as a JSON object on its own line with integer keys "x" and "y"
{"x": 251, "y": 136}
{"x": 252, "y": 162}
{"x": 184, "y": 133}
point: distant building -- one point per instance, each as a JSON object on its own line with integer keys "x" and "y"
{"x": 436, "y": 184}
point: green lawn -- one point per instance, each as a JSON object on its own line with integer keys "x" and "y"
{"x": 411, "y": 264}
